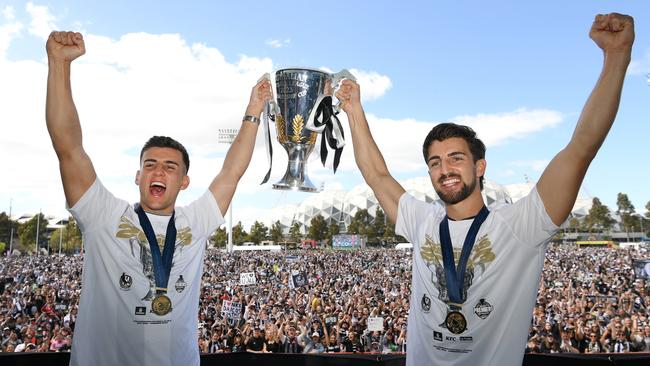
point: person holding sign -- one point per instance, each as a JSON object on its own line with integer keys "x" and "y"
{"x": 476, "y": 271}
{"x": 143, "y": 263}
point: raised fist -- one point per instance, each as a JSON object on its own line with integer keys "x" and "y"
{"x": 65, "y": 46}
{"x": 613, "y": 32}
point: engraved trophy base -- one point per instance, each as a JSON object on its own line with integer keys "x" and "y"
{"x": 295, "y": 178}
{"x": 295, "y": 185}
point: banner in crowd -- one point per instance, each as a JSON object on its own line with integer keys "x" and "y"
{"x": 603, "y": 298}
{"x": 641, "y": 268}
{"x": 297, "y": 279}
{"x": 346, "y": 241}
{"x": 292, "y": 258}
{"x": 376, "y": 323}
{"x": 231, "y": 309}
{"x": 247, "y": 278}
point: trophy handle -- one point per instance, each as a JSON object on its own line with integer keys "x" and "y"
{"x": 336, "y": 84}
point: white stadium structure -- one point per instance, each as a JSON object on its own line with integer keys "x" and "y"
{"x": 339, "y": 207}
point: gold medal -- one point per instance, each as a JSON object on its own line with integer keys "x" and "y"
{"x": 161, "y": 305}
{"x": 456, "y": 322}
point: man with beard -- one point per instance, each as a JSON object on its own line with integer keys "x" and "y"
{"x": 476, "y": 272}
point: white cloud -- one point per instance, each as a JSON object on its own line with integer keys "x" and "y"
{"x": 373, "y": 85}
{"x": 498, "y": 128}
{"x": 278, "y": 43}
{"x": 640, "y": 66}
{"x": 9, "y": 29}
{"x": 42, "y": 20}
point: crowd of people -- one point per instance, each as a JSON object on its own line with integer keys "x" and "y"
{"x": 350, "y": 301}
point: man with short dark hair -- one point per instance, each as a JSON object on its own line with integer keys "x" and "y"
{"x": 476, "y": 272}
{"x": 143, "y": 263}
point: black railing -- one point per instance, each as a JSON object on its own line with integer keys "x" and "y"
{"x": 334, "y": 359}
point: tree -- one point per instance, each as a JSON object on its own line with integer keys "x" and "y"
{"x": 258, "y": 233}
{"x": 626, "y": 212}
{"x": 238, "y": 234}
{"x": 360, "y": 223}
{"x": 574, "y": 225}
{"x": 56, "y": 239}
{"x": 599, "y": 217}
{"x": 317, "y": 228}
{"x": 332, "y": 230}
{"x": 295, "y": 233}
{"x": 276, "y": 232}
{"x": 27, "y": 232}
{"x": 6, "y": 224}
{"x": 220, "y": 237}
{"x": 71, "y": 240}
{"x": 3, "y": 246}
{"x": 389, "y": 232}
{"x": 72, "y": 236}
{"x": 379, "y": 225}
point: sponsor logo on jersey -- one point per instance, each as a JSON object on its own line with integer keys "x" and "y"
{"x": 437, "y": 336}
{"x": 125, "y": 281}
{"x": 140, "y": 310}
{"x": 483, "y": 309}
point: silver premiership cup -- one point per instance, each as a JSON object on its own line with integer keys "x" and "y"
{"x": 301, "y": 109}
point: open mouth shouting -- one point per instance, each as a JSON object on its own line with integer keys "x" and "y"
{"x": 157, "y": 189}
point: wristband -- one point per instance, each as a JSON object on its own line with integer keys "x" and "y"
{"x": 250, "y": 118}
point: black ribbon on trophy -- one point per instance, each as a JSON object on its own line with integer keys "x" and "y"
{"x": 332, "y": 133}
{"x": 455, "y": 275}
{"x": 162, "y": 263}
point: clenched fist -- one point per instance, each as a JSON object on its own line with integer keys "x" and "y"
{"x": 613, "y": 32}
{"x": 65, "y": 46}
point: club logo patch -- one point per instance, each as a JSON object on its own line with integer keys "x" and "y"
{"x": 425, "y": 303}
{"x": 180, "y": 284}
{"x": 483, "y": 309}
{"x": 125, "y": 281}
{"x": 140, "y": 310}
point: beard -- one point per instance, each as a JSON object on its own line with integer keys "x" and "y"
{"x": 453, "y": 198}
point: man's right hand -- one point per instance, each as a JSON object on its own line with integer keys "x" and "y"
{"x": 349, "y": 94}
{"x": 65, "y": 46}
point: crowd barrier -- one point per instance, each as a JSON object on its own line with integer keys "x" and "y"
{"x": 280, "y": 359}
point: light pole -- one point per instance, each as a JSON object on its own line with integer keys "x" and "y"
{"x": 61, "y": 239}
{"x": 11, "y": 228}
{"x": 38, "y": 224}
{"x": 227, "y": 136}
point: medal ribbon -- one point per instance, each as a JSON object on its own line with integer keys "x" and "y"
{"x": 455, "y": 276}
{"x": 162, "y": 264}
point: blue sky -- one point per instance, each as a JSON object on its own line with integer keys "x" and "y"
{"x": 519, "y": 72}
